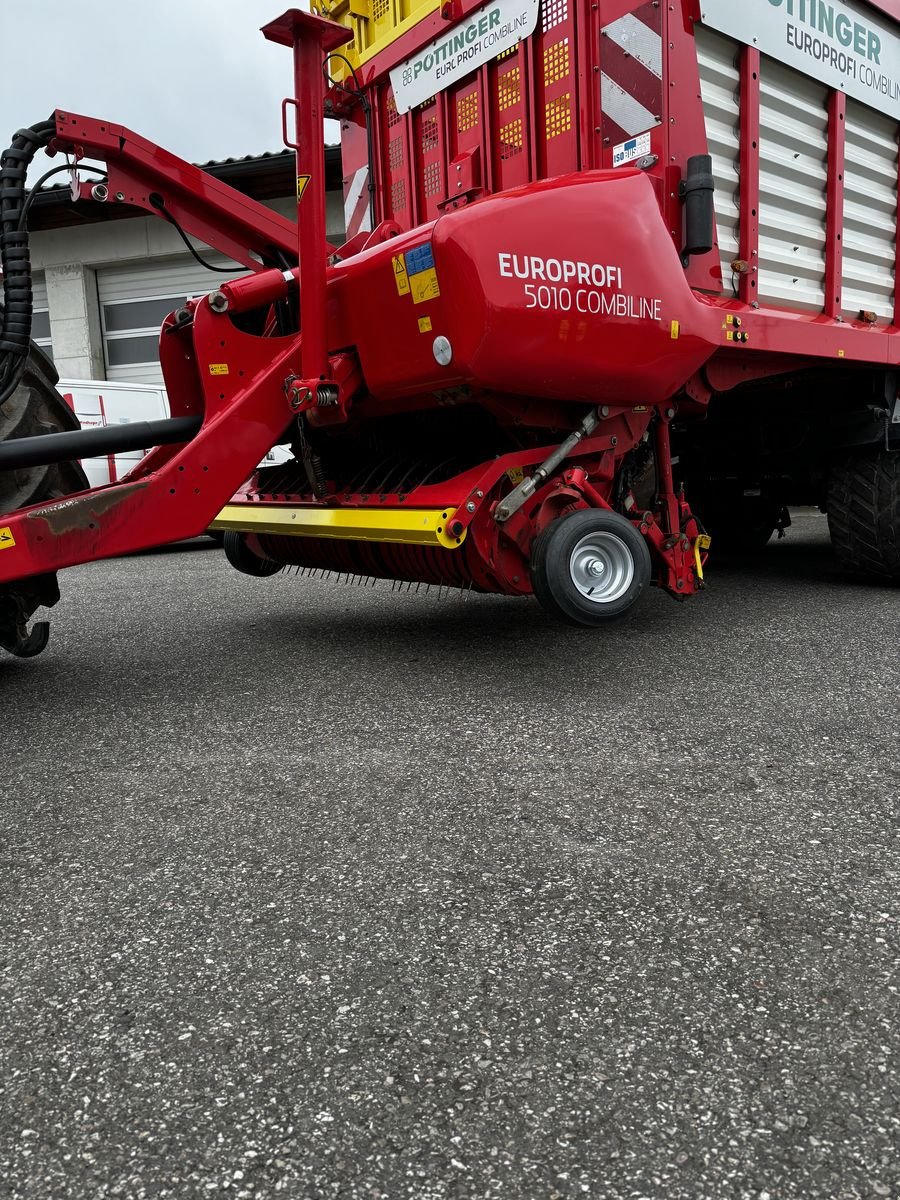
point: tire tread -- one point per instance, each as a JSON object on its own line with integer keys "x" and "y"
{"x": 864, "y": 514}
{"x": 36, "y": 407}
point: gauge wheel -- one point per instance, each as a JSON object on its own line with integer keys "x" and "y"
{"x": 589, "y": 566}
{"x": 245, "y": 560}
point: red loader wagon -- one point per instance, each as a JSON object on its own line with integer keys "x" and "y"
{"x": 619, "y": 276}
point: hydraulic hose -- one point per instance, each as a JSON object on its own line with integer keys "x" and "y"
{"x": 42, "y": 450}
{"x": 15, "y": 257}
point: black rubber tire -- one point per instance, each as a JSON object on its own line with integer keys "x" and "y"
{"x": 550, "y": 567}
{"x": 864, "y": 514}
{"x": 243, "y": 559}
{"x": 37, "y": 407}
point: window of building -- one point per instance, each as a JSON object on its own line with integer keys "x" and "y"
{"x": 40, "y": 330}
{"x": 131, "y": 329}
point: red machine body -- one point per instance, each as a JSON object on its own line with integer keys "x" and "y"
{"x": 514, "y": 323}
{"x": 567, "y": 289}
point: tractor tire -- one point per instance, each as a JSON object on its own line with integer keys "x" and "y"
{"x": 35, "y": 407}
{"x": 245, "y": 560}
{"x": 864, "y": 514}
{"x": 589, "y": 567}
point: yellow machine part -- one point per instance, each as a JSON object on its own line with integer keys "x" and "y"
{"x": 375, "y": 24}
{"x": 412, "y": 526}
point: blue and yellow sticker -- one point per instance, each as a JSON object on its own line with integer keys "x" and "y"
{"x": 415, "y": 274}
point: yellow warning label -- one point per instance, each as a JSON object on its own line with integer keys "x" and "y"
{"x": 218, "y": 368}
{"x": 424, "y": 324}
{"x": 7, "y": 541}
{"x": 676, "y": 330}
{"x": 302, "y": 185}
{"x": 400, "y": 276}
{"x": 515, "y": 475}
{"x": 729, "y": 336}
{"x": 425, "y": 286}
{"x": 842, "y": 353}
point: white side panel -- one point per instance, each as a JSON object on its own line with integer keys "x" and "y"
{"x": 870, "y": 212}
{"x": 98, "y": 404}
{"x": 793, "y": 179}
{"x": 720, "y": 92}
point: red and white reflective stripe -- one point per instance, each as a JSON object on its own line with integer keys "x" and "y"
{"x": 631, "y": 78}
{"x": 357, "y": 216}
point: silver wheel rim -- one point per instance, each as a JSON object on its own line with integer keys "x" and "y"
{"x": 601, "y": 567}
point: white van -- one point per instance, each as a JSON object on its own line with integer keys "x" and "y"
{"x": 97, "y": 402}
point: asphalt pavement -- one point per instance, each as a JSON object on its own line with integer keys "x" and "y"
{"x": 309, "y": 890}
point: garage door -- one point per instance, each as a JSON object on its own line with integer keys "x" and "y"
{"x": 40, "y": 313}
{"x": 135, "y": 299}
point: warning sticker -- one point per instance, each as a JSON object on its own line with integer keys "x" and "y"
{"x": 7, "y": 541}
{"x": 425, "y": 286}
{"x": 424, "y": 324}
{"x": 218, "y": 368}
{"x": 400, "y": 276}
{"x": 423, "y": 280}
{"x": 302, "y": 185}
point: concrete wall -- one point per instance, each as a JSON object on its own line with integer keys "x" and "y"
{"x": 70, "y": 258}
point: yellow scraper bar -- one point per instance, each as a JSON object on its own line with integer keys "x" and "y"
{"x": 413, "y": 526}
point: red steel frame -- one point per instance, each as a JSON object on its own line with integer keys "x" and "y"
{"x": 237, "y": 381}
{"x": 174, "y": 492}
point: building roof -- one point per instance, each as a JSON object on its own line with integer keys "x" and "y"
{"x": 267, "y": 176}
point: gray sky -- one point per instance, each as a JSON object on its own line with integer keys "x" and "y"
{"x": 195, "y": 76}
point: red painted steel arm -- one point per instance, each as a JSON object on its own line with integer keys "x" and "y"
{"x": 235, "y": 380}
{"x": 310, "y": 38}
{"x": 176, "y": 490}
{"x": 205, "y": 207}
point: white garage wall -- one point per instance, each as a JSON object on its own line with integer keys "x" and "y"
{"x": 76, "y": 261}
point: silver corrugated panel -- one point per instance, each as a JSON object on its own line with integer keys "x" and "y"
{"x": 870, "y": 211}
{"x": 720, "y": 88}
{"x": 39, "y": 291}
{"x": 793, "y": 179}
{"x": 182, "y": 276}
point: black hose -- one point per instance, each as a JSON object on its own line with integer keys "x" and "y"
{"x": 360, "y": 95}
{"x": 158, "y": 202}
{"x": 46, "y": 448}
{"x": 35, "y": 191}
{"x": 15, "y": 258}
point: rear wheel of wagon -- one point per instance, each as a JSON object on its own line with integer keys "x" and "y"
{"x": 864, "y": 514}
{"x": 589, "y": 567}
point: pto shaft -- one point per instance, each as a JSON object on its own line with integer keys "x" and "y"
{"x": 86, "y": 443}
